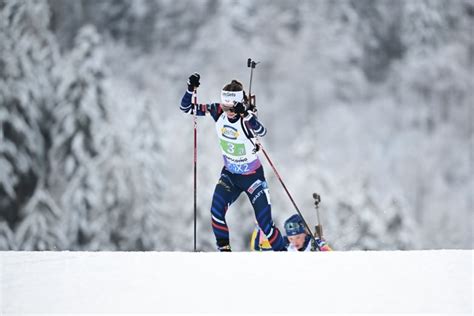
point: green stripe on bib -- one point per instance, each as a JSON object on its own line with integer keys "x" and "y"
{"x": 233, "y": 148}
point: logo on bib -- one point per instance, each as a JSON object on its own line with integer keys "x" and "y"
{"x": 229, "y": 132}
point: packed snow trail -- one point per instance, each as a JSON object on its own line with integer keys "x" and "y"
{"x": 291, "y": 283}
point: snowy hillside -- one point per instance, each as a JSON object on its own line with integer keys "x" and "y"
{"x": 395, "y": 282}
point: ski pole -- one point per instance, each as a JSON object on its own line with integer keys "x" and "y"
{"x": 195, "y": 106}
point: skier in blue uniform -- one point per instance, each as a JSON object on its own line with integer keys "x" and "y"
{"x": 299, "y": 238}
{"x": 236, "y": 128}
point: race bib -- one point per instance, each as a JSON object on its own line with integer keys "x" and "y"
{"x": 232, "y": 148}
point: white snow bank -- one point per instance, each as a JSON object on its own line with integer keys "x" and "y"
{"x": 259, "y": 283}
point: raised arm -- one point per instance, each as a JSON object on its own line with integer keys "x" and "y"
{"x": 201, "y": 109}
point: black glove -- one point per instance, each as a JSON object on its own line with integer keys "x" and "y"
{"x": 193, "y": 81}
{"x": 239, "y": 108}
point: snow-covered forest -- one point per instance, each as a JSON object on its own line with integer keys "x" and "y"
{"x": 369, "y": 103}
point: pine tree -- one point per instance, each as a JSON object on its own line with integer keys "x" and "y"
{"x": 433, "y": 87}
{"x": 7, "y": 237}
{"x": 27, "y": 54}
{"x": 77, "y": 140}
{"x": 147, "y": 219}
{"x": 130, "y": 185}
{"x": 43, "y": 227}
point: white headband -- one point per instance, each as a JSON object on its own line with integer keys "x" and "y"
{"x": 228, "y": 97}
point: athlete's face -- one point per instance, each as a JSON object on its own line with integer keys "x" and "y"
{"x": 297, "y": 240}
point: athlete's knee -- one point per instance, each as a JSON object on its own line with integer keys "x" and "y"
{"x": 260, "y": 197}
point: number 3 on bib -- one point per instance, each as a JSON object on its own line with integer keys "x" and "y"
{"x": 232, "y": 148}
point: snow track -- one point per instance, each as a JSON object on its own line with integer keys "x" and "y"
{"x": 290, "y": 283}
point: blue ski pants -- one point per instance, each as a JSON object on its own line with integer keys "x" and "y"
{"x": 228, "y": 189}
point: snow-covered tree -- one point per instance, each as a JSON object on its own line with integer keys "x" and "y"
{"x": 132, "y": 183}
{"x": 77, "y": 138}
{"x": 80, "y": 107}
{"x": 360, "y": 217}
{"x": 397, "y": 135}
{"x": 128, "y": 22}
{"x": 43, "y": 226}
{"x": 7, "y": 237}
{"x": 148, "y": 219}
{"x": 27, "y": 54}
{"x": 433, "y": 87}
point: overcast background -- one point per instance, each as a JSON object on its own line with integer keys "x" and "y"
{"x": 369, "y": 103}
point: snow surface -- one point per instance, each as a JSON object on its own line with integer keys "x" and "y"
{"x": 438, "y": 281}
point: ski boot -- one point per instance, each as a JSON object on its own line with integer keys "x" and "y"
{"x": 223, "y": 245}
